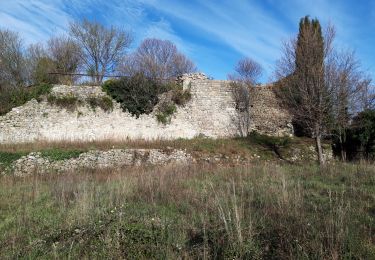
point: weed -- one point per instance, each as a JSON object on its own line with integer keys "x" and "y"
{"x": 105, "y": 103}
{"x": 166, "y": 110}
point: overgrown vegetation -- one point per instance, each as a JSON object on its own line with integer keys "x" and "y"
{"x": 165, "y": 112}
{"x": 15, "y": 97}
{"x": 137, "y": 94}
{"x": 272, "y": 142}
{"x": 359, "y": 141}
{"x": 180, "y": 96}
{"x": 69, "y": 102}
{"x": 7, "y": 158}
{"x": 105, "y": 103}
{"x": 261, "y": 211}
{"x": 72, "y": 102}
{"x": 59, "y": 155}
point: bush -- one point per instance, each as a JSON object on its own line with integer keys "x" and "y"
{"x": 69, "y": 102}
{"x": 360, "y": 137}
{"x": 15, "y": 97}
{"x": 137, "y": 94}
{"x": 7, "y": 158}
{"x": 166, "y": 110}
{"x": 60, "y": 155}
{"x": 180, "y": 97}
{"x": 104, "y": 103}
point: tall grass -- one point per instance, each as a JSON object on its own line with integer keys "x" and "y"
{"x": 260, "y": 211}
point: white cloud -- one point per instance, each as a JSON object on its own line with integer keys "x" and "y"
{"x": 35, "y": 20}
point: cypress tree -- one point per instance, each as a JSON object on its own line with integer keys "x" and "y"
{"x": 309, "y": 96}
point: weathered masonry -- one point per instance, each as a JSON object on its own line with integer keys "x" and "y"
{"x": 210, "y": 112}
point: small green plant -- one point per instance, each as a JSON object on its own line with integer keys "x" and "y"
{"x": 59, "y": 155}
{"x": 79, "y": 114}
{"x": 104, "y": 103}
{"x": 180, "y": 97}
{"x": 69, "y": 102}
{"x": 166, "y": 110}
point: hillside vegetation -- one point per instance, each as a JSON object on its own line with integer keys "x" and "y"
{"x": 259, "y": 211}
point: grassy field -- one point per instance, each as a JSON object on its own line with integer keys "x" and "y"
{"x": 265, "y": 210}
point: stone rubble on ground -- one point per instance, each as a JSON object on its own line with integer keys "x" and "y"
{"x": 95, "y": 159}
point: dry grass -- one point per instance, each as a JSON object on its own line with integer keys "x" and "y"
{"x": 260, "y": 211}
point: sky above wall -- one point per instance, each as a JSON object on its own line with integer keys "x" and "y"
{"x": 214, "y": 34}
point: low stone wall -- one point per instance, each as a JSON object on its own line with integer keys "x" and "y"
{"x": 210, "y": 113}
{"x": 115, "y": 158}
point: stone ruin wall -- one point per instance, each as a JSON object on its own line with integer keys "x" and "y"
{"x": 209, "y": 113}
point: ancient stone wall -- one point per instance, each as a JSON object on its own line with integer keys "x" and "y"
{"x": 210, "y": 112}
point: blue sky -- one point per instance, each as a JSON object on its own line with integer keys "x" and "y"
{"x": 214, "y": 34}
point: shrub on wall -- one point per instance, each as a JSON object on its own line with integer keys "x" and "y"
{"x": 69, "y": 102}
{"x": 15, "y": 97}
{"x": 104, "y": 103}
{"x": 166, "y": 110}
{"x": 180, "y": 97}
{"x": 137, "y": 94}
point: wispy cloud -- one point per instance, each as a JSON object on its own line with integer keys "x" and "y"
{"x": 214, "y": 33}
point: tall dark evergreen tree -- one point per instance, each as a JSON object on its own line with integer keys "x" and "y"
{"x": 307, "y": 93}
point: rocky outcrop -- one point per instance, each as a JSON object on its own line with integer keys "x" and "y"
{"x": 115, "y": 158}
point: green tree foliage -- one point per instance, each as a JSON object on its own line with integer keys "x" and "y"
{"x": 306, "y": 92}
{"x": 18, "y": 96}
{"x": 360, "y": 141}
{"x": 137, "y": 94}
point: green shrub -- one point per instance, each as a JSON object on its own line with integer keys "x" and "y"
{"x": 166, "y": 110}
{"x": 15, "y": 97}
{"x": 59, "y": 155}
{"x": 7, "y": 158}
{"x": 180, "y": 97}
{"x": 69, "y": 102}
{"x": 360, "y": 137}
{"x": 104, "y": 103}
{"x": 137, "y": 94}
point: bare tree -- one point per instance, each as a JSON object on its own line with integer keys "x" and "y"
{"x": 158, "y": 59}
{"x": 66, "y": 55}
{"x": 101, "y": 48}
{"x": 247, "y": 73}
{"x": 12, "y": 60}
{"x": 40, "y": 65}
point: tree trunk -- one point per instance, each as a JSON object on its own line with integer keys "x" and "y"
{"x": 342, "y": 148}
{"x": 318, "y": 140}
